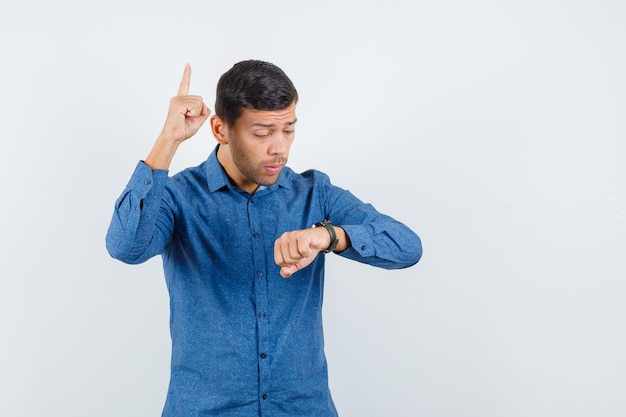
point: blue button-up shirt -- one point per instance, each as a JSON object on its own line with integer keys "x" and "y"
{"x": 245, "y": 341}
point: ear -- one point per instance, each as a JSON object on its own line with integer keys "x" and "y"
{"x": 219, "y": 129}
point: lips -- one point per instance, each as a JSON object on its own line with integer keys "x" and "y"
{"x": 273, "y": 169}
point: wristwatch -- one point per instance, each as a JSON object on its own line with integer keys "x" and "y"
{"x": 331, "y": 230}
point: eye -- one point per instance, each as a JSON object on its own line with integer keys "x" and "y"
{"x": 262, "y": 134}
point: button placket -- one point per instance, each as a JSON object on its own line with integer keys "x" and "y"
{"x": 260, "y": 290}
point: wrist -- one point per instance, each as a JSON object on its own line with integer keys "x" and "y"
{"x": 162, "y": 153}
{"x": 334, "y": 241}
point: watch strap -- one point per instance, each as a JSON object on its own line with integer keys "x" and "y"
{"x": 331, "y": 231}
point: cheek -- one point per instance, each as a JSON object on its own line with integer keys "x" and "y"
{"x": 249, "y": 155}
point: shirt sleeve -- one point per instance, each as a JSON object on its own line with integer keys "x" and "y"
{"x": 375, "y": 238}
{"x": 142, "y": 222}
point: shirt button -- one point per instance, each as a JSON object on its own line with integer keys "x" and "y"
{"x": 260, "y": 273}
{"x": 363, "y": 247}
{"x": 255, "y": 235}
{"x": 264, "y": 396}
{"x": 147, "y": 182}
{"x": 252, "y": 201}
{"x": 262, "y": 315}
{"x": 263, "y": 356}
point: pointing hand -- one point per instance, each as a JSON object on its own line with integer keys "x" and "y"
{"x": 187, "y": 113}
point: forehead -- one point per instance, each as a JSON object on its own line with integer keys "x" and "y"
{"x": 267, "y": 118}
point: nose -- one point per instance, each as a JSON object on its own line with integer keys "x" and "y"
{"x": 279, "y": 144}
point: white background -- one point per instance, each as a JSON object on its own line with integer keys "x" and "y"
{"x": 494, "y": 129}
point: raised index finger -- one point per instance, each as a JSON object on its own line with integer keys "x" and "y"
{"x": 183, "y": 89}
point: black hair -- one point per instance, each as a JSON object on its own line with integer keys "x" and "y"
{"x": 253, "y": 84}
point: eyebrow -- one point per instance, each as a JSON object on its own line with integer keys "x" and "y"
{"x": 259, "y": 124}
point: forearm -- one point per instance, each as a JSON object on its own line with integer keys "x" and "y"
{"x": 384, "y": 243}
{"x": 140, "y": 225}
{"x": 162, "y": 153}
{"x": 372, "y": 237}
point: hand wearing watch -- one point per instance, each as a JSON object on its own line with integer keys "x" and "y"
{"x": 333, "y": 236}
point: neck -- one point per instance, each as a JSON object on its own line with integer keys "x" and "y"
{"x": 225, "y": 158}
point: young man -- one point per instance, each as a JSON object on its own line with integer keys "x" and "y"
{"x": 246, "y": 340}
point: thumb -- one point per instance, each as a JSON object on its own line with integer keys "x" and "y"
{"x": 287, "y": 271}
{"x": 205, "y": 111}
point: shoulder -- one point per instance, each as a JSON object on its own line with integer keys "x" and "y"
{"x": 190, "y": 173}
{"x": 190, "y": 180}
{"x": 309, "y": 177}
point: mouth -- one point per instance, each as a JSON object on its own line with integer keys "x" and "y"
{"x": 273, "y": 169}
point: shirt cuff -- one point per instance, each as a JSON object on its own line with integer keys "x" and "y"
{"x": 360, "y": 239}
{"x": 144, "y": 178}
